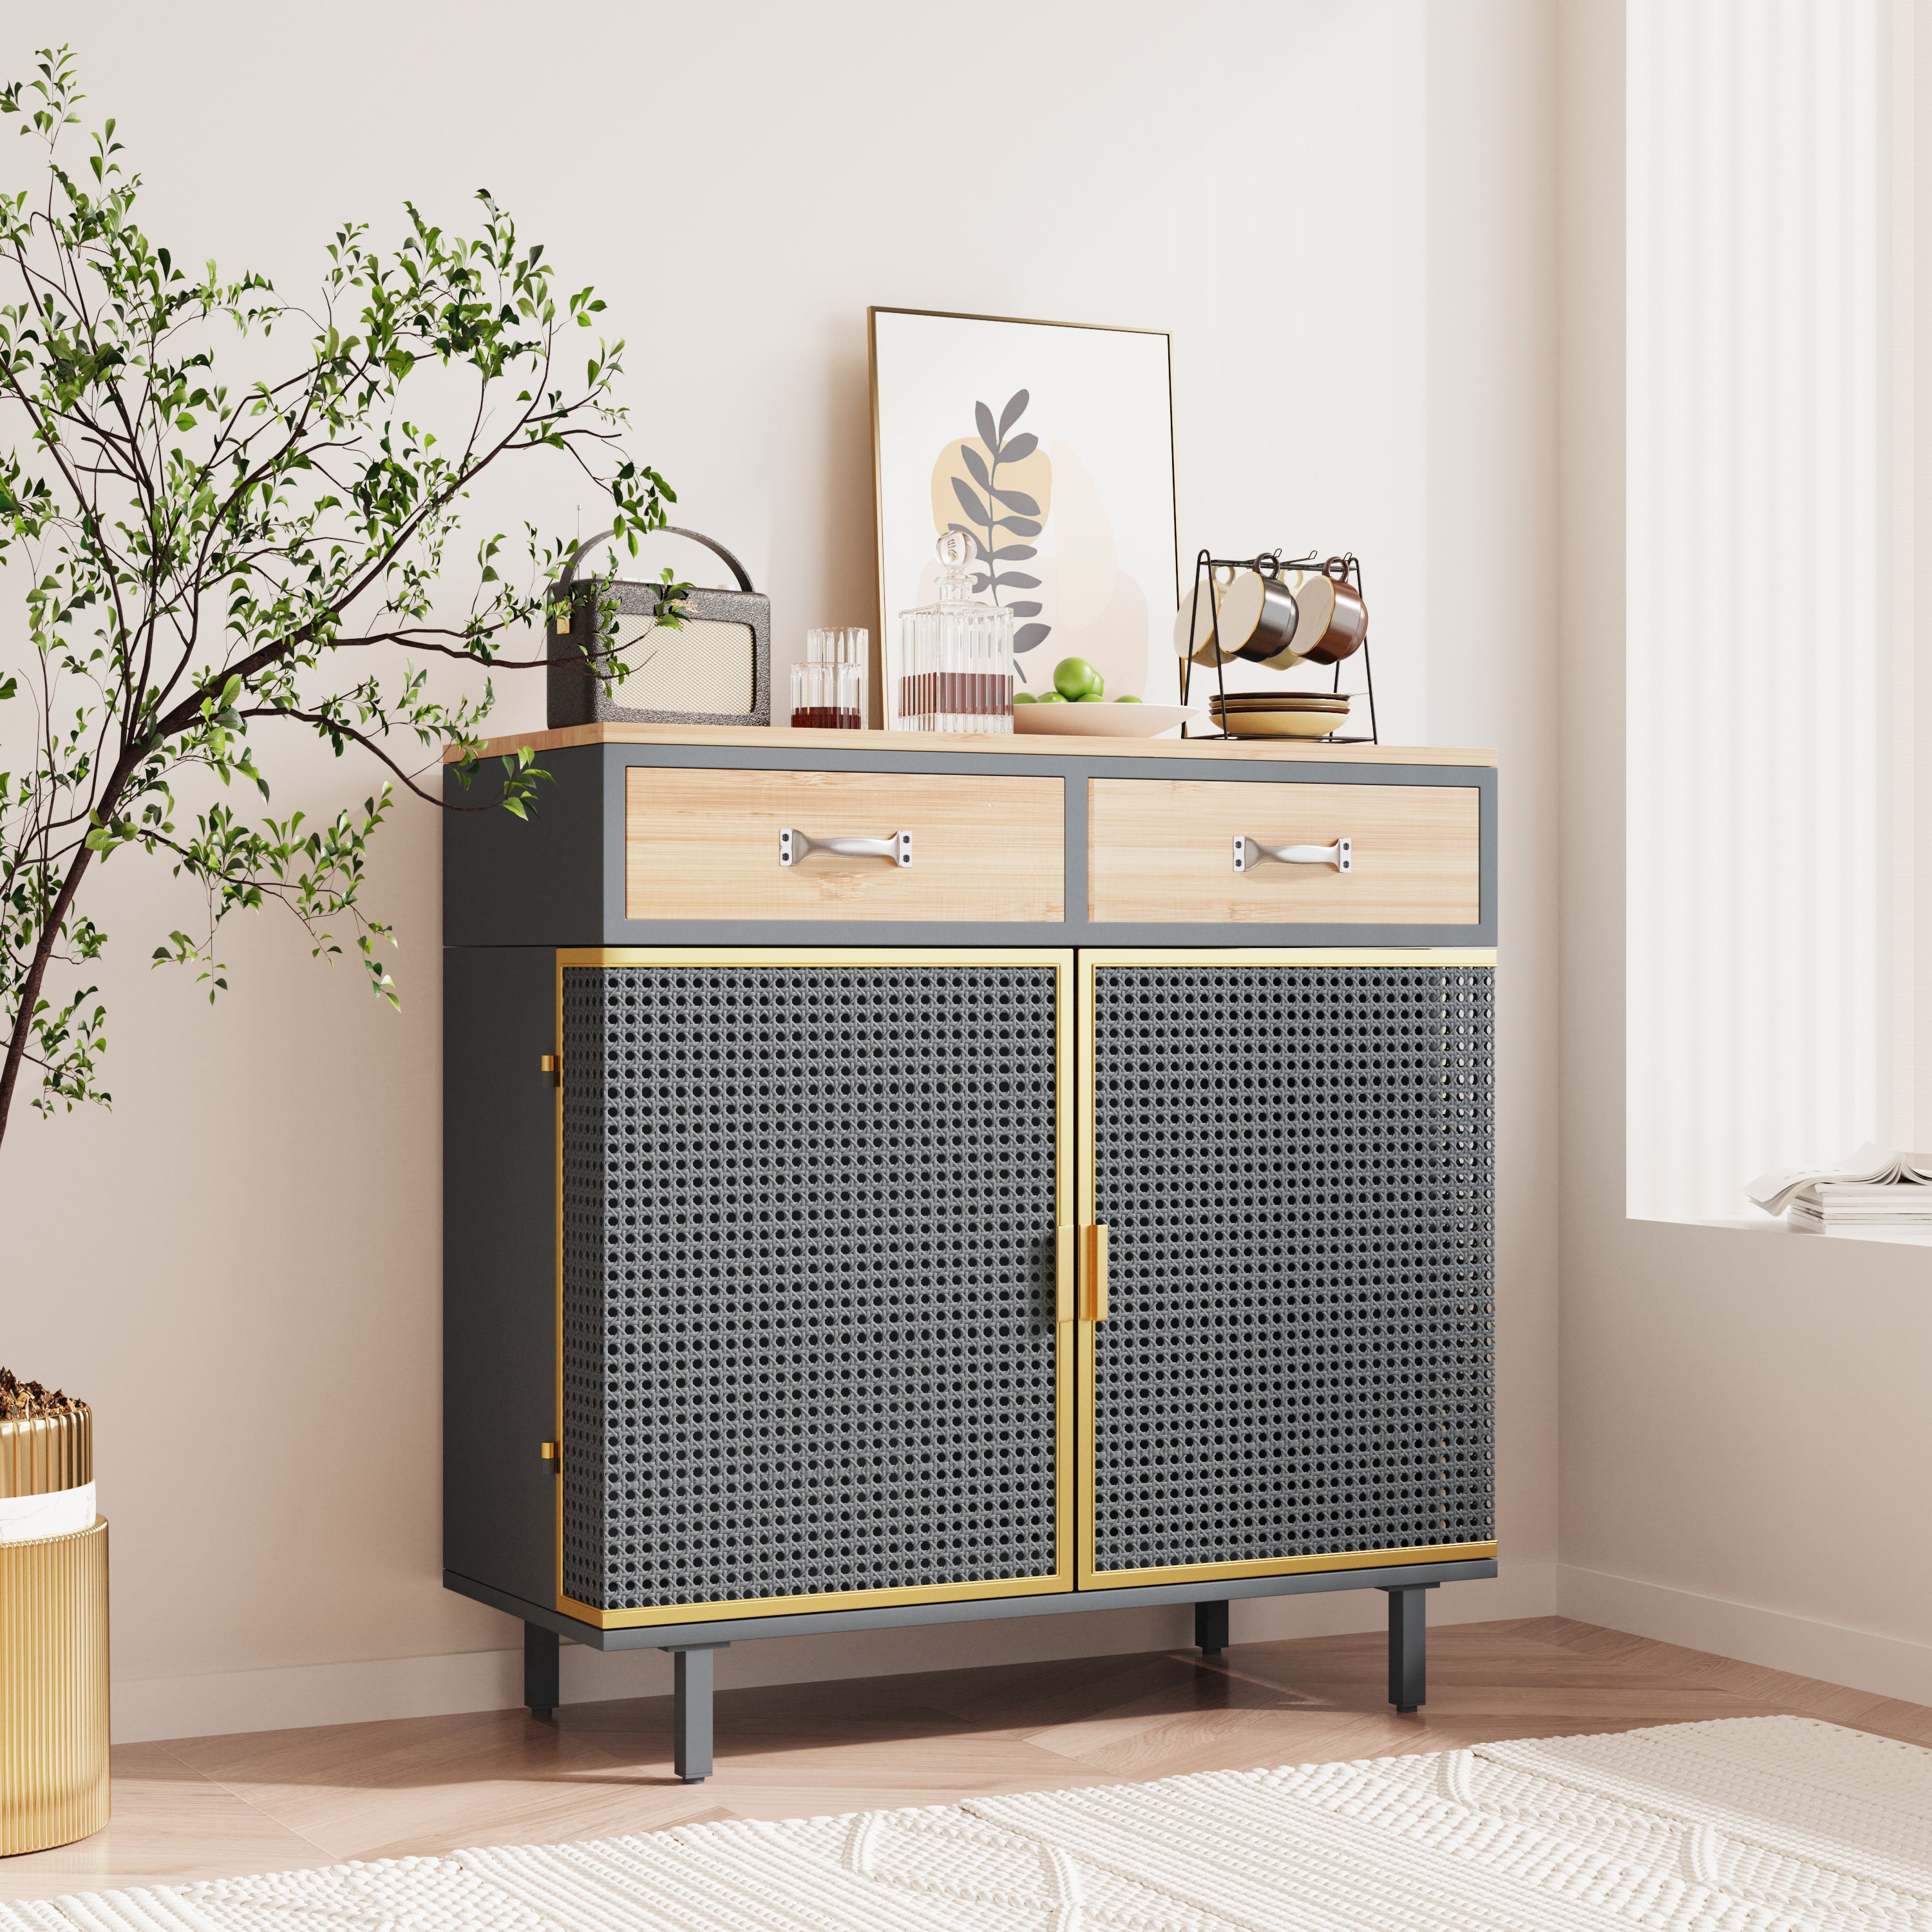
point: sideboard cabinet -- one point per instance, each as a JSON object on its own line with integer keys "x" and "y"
{"x": 895, "y": 1179}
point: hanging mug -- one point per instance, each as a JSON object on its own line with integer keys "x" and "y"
{"x": 1334, "y": 620}
{"x": 1194, "y": 621}
{"x": 1259, "y": 617}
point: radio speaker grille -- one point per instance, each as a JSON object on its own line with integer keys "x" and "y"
{"x": 1296, "y": 1167}
{"x": 809, "y": 1218}
{"x": 702, "y": 666}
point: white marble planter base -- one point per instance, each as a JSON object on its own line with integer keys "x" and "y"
{"x": 57, "y": 1512}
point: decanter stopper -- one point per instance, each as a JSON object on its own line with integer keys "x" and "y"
{"x": 955, "y": 550}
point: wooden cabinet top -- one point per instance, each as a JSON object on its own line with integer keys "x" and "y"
{"x": 778, "y": 740}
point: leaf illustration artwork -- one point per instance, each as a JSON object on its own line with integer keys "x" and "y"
{"x": 1001, "y": 484}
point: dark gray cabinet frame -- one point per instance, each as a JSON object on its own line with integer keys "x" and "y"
{"x": 515, "y": 892}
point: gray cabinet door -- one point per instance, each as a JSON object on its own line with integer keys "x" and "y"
{"x": 808, "y": 1205}
{"x": 1294, "y": 1164}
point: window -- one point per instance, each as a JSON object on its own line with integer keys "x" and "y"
{"x": 1770, "y": 999}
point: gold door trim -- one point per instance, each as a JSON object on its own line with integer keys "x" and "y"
{"x": 1284, "y": 1566}
{"x": 1061, "y": 1580}
{"x": 1091, "y": 958}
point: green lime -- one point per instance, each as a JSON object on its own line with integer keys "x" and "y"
{"x": 1074, "y": 677}
{"x": 1023, "y": 697}
{"x": 1127, "y": 697}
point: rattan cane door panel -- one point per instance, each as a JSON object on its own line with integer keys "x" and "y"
{"x": 809, "y": 1355}
{"x": 1294, "y": 1162}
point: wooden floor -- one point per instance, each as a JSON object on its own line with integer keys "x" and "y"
{"x": 270, "y": 1801}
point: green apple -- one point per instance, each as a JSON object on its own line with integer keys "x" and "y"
{"x": 1090, "y": 697}
{"x": 1049, "y": 698}
{"x": 1127, "y": 697}
{"x": 1023, "y": 697}
{"x": 1075, "y": 678}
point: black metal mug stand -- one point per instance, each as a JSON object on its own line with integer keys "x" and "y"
{"x": 1274, "y": 565}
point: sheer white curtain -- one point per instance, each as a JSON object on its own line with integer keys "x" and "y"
{"x": 1762, "y": 197}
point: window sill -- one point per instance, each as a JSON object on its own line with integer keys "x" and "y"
{"x": 1763, "y": 1224}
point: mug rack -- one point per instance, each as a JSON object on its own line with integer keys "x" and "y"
{"x": 1205, "y": 567}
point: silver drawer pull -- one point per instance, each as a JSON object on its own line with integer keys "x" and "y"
{"x": 796, "y": 847}
{"x": 1250, "y": 852}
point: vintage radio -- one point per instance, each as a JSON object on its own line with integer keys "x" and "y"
{"x": 712, "y": 668}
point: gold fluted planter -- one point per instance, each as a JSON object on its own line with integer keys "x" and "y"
{"x": 41, "y": 1454}
{"x": 53, "y": 1647}
{"x": 53, "y": 1689}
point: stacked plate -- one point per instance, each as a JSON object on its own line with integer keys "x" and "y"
{"x": 1280, "y": 714}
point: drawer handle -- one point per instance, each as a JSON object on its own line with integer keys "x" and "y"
{"x": 1250, "y": 852}
{"x": 796, "y": 847}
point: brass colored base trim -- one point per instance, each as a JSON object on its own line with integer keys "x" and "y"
{"x": 828, "y": 1599}
{"x": 811, "y": 956}
{"x": 53, "y": 1689}
{"x": 1287, "y": 1566}
{"x": 1286, "y": 955}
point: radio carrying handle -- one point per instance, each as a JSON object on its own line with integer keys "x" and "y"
{"x": 568, "y": 575}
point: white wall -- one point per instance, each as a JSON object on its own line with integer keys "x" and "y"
{"x": 1744, "y": 1428}
{"x": 1347, "y": 223}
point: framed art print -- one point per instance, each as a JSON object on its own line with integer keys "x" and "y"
{"x": 1051, "y": 445}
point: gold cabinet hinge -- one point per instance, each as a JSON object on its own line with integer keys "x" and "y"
{"x": 551, "y": 1063}
{"x": 552, "y": 1453}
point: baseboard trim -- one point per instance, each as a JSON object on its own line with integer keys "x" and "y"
{"x": 151, "y": 1709}
{"x": 1890, "y": 1666}
{"x": 217, "y": 1702}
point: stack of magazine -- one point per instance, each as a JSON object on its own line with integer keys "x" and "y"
{"x": 1874, "y": 1188}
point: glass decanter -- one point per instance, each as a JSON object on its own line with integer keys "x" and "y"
{"x": 956, "y": 655}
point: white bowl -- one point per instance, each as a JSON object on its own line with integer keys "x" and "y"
{"x": 1105, "y": 720}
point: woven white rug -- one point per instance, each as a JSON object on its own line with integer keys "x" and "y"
{"x": 1751, "y": 1825}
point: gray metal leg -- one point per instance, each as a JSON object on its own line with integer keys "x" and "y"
{"x": 1408, "y": 1644}
{"x": 542, "y": 1675}
{"x": 1210, "y": 1626}
{"x": 690, "y": 1742}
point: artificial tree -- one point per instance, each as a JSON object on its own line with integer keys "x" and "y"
{"x": 211, "y": 555}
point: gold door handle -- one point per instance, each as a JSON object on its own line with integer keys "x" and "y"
{"x": 1093, "y": 1273}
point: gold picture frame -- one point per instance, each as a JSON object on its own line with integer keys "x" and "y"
{"x": 1133, "y": 453}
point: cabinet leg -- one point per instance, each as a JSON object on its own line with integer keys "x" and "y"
{"x": 1210, "y": 1626}
{"x": 541, "y": 1671}
{"x": 690, "y": 1741}
{"x": 1408, "y": 1642}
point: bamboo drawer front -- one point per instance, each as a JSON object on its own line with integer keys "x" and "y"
{"x": 704, "y": 845}
{"x": 1163, "y": 849}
